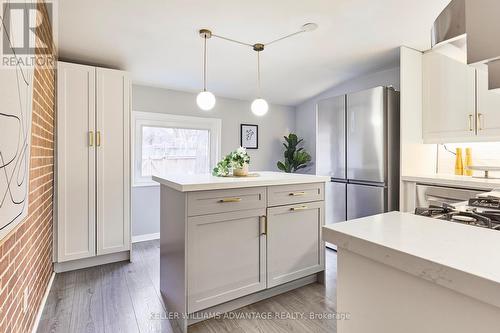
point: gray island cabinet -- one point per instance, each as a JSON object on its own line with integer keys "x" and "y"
{"x": 229, "y": 242}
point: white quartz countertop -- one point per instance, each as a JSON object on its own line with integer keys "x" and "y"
{"x": 460, "y": 257}
{"x": 452, "y": 180}
{"x": 188, "y": 183}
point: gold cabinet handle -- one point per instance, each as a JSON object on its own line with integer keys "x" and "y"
{"x": 470, "y": 123}
{"x": 263, "y": 225}
{"x": 98, "y": 139}
{"x": 297, "y": 194}
{"x": 479, "y": 120}
{"x": 294, "y": 209}
{"x": 230, "y": 200}
{"x": 91, "y": 139}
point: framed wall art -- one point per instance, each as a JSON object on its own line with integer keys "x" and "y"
{"x": 249, "y": 136}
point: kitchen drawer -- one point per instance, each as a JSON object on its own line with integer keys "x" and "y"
{"x": 221, "y": 201}
{"x": 292, "y": 194}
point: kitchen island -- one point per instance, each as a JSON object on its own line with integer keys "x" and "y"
{"x": 399, "y": 272}
{"x": 226, "y": 242}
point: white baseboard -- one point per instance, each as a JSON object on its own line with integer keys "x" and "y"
{"x": 146, "y": 237}
{"x": 72, "y": 265}
{"x": 42, "y": 303}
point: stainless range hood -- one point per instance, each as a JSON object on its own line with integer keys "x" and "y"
{"x": 476, "y": 21}
{"x": 450, "y": 24}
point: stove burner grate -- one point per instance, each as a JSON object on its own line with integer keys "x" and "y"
{"x": 470, "y": 216}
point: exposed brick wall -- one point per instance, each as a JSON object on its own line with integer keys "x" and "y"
{"x": 26, "y": 253}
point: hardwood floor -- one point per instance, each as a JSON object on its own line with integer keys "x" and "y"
{"x": 125, "y": 297}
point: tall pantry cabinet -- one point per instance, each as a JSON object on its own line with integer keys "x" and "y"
{"x": 93, "y": 165}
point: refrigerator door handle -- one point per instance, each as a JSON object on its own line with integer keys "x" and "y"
{"x": 352, "y": 119}
{"x": 366, "y": 183}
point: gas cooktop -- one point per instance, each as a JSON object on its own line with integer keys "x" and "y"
{"x": 465, "y": 214}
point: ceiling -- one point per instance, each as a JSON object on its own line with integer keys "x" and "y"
{"x": 157, "y": 41}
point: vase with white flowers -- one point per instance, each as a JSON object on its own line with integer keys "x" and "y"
{"x": 236, "y": 162}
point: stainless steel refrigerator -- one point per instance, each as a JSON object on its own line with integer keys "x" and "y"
{"x": 358, "y": 147}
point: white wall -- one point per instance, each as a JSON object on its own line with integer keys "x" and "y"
{"x": 416, "y": 157}
{"x": 483, "y": 154}
{"x": 306, "y": 112}
{"x": 279, "y": 121}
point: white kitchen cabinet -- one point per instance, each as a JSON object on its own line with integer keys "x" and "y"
{"x": 226, "y": 257}
{"x": 488, "y": 109}
{"x": 93, "y": 189}
{"x": 449, "y": 99}
{"x": 294, "y": 245}
{"x": 229, "y": 242}
{"x": 113, "y": 161}
{"x": 76, "y": 176}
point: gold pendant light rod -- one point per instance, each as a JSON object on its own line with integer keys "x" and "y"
{"x": 285, "y": 37}
{"x": 205, "y": 34}
{"x": 305, "y": 28}
{"x": 232, "y": 40}
{"x": 258, "y": 75}
{"x": 205, "y": 64}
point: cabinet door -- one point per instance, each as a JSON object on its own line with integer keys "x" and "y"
{"x": 226, "y": 257}
{"x": 448, "y": 99}
{"x": 488, "y": 108}
{"x": 113, "y": 161}
{"x": 294, "y": 245}
{"x": 75, "y": 167}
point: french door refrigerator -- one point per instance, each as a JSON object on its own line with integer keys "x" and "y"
{"x": 358, "y": 147}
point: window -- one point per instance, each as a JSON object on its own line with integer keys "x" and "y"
{"x": 170, "y": 144}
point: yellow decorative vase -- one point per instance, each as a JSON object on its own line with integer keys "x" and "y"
{"x": 468, "y": 161}
{"x": 241, "y": 172}
{"x": 459, "y": 164}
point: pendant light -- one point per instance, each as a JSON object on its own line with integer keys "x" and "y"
{"x": 259, "y": 105}
{"x": 205, "y": 99}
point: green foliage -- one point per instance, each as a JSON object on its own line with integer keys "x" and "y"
{"x": 234, "y": 160}
{"x": 222, "y": 168}
{"x": 296, "y": 157}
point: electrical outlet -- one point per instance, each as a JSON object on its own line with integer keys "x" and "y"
{"x": 26, "y": 295}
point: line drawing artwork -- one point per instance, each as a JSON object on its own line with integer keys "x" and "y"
{"x": 15, "y": 140}
{"x": 250, "y": 134}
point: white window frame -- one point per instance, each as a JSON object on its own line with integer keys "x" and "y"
{"x": 154, "y": 119}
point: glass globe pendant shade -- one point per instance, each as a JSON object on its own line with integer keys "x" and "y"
{"x": 205, "y": 100}
{"x": 259, "y": 107}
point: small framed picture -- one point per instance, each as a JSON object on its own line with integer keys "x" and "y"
{"x": 249, "y": 136}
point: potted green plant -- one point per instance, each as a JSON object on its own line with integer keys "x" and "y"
{"x": 236, "y": 161}
{"x": 296, "y": 157}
